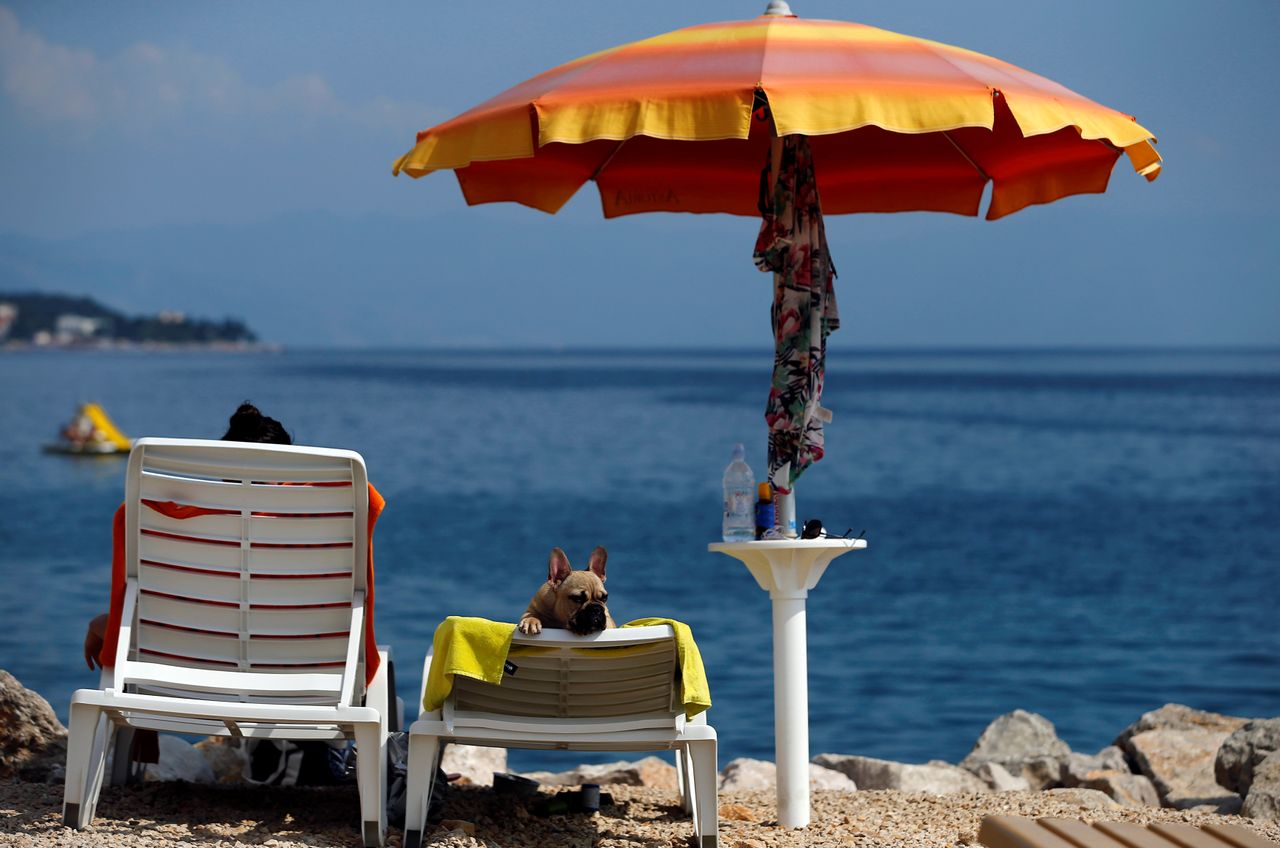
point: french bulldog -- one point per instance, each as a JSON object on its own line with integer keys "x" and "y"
{"x": 570, "y": 600}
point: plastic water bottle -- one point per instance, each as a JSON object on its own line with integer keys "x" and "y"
{"x": 739, "y": 499}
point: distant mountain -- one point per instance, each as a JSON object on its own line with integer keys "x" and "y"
{"x": 444, "y": 276}
{"x": 66, "y": 319}
{"x": 492, "y": 276}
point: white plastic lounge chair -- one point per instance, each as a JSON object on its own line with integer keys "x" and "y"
{"x": 247, "y": 621}
{"x": 575, "y": 698}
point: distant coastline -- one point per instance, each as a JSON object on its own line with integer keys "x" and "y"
{"x": 59, "y": 321}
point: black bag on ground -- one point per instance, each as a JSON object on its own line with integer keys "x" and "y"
{"x": 279, "y": 762}
{"x": 398, "y": 782}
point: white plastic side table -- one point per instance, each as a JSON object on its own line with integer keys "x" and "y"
{"x": 787, "y": 569}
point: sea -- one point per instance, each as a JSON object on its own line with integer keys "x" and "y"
{"x": 1085, "y": 534}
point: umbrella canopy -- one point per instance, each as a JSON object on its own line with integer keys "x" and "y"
{"x": 896, "y": 124}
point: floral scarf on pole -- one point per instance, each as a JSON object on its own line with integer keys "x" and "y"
{"x": 793, "y": 245}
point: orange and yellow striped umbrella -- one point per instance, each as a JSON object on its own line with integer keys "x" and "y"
{"x": 896, "y": 124}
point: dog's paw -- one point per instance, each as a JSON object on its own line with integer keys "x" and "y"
{"x": 530, "y": 626}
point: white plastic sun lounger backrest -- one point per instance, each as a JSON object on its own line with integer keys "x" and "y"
{"x": 620, "y": 679}
{"x": 261, "y": 595}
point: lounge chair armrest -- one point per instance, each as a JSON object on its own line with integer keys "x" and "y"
{"x": 111, "y": 676}
{"x": 422, "y": 690}
{"x": 355, "y": 640}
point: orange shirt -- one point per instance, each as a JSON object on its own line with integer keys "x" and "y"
{"x": 110, "y": 640}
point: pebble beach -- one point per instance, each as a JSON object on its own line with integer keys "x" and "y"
{"x": 176, "y": 814}
{"x": 1194, "y": 768}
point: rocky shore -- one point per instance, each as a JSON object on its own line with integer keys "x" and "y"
{"x": 1172, "y": 764}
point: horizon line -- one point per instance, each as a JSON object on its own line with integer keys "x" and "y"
{"x": 989, "y": 349}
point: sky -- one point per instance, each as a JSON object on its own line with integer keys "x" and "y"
{"x": 235, "y": 159}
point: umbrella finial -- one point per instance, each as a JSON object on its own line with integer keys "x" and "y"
{"x": 779, "y": 8}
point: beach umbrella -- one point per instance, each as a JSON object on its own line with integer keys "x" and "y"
{"x": 685, "y": 122}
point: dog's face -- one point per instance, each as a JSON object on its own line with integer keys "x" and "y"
{"x": 573, "y": 600}
{"x": 581, "y": 601}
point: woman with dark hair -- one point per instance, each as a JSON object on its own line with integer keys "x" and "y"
{"x": 247, "y": 424}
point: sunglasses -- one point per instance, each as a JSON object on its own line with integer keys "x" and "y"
{"x": 813, "y": 529}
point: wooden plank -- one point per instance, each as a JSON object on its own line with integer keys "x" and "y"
{"x": 1018, "y": 832}
{"x": 1239, "y": 837}
{"x": 1186, "y": 836}
{"x": 1132, "y": 835}
{"x": 1079, "y": 833}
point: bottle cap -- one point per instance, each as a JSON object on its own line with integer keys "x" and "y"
{"x": 766, "y": 492}
{"x": 739, "y": 452}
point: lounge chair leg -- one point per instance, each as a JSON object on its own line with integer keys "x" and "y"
{"x": 706, "y": 818}
{"x": 379, "y": 693}
{"x": 371, "y": 769}
{"x": 121, "y": 766}
{"x": 90, "y": 731}
{"x": 423, "y": 752}
{"x": 683, "y": 786}
{"x": 394, "y": 705}
{"x": 691, "y": 790}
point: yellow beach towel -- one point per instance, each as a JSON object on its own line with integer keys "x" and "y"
{"x": 694, "y": 691}
{"x": 472, "y": 647}
{"x": 478, "y": 648}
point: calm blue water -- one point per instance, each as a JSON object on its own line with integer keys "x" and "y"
{"x": 1087, "y": 535}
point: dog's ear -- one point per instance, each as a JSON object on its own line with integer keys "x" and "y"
{"x": 597, "y": 561}
{"x": 557, "y": 567}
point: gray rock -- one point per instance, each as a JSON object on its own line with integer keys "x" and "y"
{"x": 1221, "y": 810}
{"x": 1263, "y": 801}
{"x": 474, "y": 763}
{"x": 650, "y": 771}
{"x": 1111, "y": 757}
{"x": 1026, "y": 744}
{"x": 1177, "y": 717}
{"x": 933, "y": 778}
{"x": 227, "y": 756}
{"x": 1123, "y": 787}
{"x": 553, "y": 778}
{"x": 821, "y": 777}
{"x": 745, "y": 775}
{"x": 1042, "y": 772}
{"x": 179, "y": 760}
{"x": 1076, "y": 766}
{"x": 1224, "y": 804}
{"x": 1180, "y": 764}
{"x": 1085, "y": 799}
{"x": 997, "y": 777}
{"x": 33, "y": 743}
{"x": 1243, "y": 751}
{"x": 654, "y": 772}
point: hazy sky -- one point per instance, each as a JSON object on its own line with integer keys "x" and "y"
{"x": 235, "y": 158}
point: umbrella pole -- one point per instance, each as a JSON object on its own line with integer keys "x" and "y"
{"x": 791, "y": 707}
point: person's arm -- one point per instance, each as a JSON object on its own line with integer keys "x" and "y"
{"x": 93, "y": 637}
